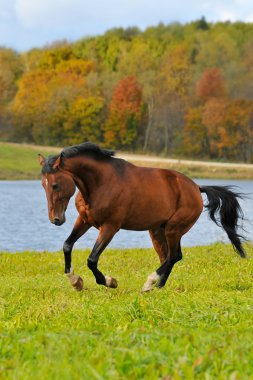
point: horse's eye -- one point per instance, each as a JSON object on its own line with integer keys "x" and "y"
{"x": 55, "y": 186}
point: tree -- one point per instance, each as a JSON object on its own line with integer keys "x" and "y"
{"x": 171, "y": 89}
{"x": 125, "y": 114}
{"x": 195, "y": 138}
{"x": 85, "y": 120}
{"x": 184, "y": 72}
{"x": 230, "y": 128}
{"x": 41, "y": 105}
{"x": 201, "y": 24}
{"x": 211, "y": 84}
{"x": 10, "y": 70}
{"x": 175, "y": 70}
{"x": 217, "y": 48}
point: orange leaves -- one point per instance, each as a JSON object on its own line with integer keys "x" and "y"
{"x": 211, "y": 84}
{"x": 225, "y": 124}
{"x": 127, "y": 94}
{"x": 226, "y": 127}
{"x": 125, "y": 113}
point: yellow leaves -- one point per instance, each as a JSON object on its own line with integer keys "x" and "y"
{"x": 86, "y": 106}
{"x": 195, "y": 132}
{"x": 176, "y": 70}
{"x": 45, "y": 96}
{"x": 38, "y": 87}
{"x": 76, "y": 66}
{"x": 137, "y": 59}
{"x": 84, "y": 120}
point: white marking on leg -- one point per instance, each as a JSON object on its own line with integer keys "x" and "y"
{"x": 153, "y": 278}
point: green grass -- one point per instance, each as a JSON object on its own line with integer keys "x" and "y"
{"x": 19, "y": 161}
{"x": 200, "y": 326}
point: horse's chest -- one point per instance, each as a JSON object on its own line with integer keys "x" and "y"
{"x": 91, "y": 216}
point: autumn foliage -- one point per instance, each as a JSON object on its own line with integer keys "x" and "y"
{"x": 125, "y": 113}
{"x": 172, "y": 89}
{"x": 211, "y": 84}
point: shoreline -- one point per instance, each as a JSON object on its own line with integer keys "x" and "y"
{"x": 187, "y": 249}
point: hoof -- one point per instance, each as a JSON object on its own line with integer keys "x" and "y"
{"x": 111, "y": 282}
{"x": 152, "y": 280}
{"x": 147, "y": 288}
{"x": 76, "y": 281}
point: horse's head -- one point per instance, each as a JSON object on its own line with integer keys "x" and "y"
{"x": 59, "y": 187}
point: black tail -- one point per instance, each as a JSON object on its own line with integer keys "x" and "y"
{"x": 225, "y": 201}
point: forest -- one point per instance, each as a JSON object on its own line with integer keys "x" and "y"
{"x": 174, "y": 90}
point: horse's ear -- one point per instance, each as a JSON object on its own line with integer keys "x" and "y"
{"x": 57, "y": 163}
{"x": 42, "y": 159}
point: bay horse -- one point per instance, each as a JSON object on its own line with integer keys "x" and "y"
{"x": 115, "y": 194}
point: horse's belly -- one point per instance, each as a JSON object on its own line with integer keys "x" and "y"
{"x": 144, "y": 221}
{"x": 139, "y": 227}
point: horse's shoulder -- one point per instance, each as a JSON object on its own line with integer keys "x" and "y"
{"x": 79, "y": 201}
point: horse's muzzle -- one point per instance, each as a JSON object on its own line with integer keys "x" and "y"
{"x": 58, "y": 221}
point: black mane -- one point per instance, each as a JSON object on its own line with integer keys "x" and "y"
{"x": 48, "y": 165}
{"x": 86, "y": 148}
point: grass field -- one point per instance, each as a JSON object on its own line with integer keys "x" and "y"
{"x": 200, "y": 326}
{"x": 21, "y": 162}
{"x": 18, "y": 161}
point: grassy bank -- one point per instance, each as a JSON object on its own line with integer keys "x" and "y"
{"x": 19, "y": 161}
{"x": 199, "y": 326}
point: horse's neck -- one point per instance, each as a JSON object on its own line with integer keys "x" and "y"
{"x": 88, "y": 174}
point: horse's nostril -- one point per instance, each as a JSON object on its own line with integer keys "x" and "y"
{"x": 57, "y": 221}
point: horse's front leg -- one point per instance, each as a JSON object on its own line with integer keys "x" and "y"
{"x": 106, "y": 233}
{"x": 79, "y": 230}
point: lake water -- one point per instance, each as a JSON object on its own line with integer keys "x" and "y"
{"x": 24, "y": 223}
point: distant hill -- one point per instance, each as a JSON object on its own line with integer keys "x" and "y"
{"x": 183, "y": 90}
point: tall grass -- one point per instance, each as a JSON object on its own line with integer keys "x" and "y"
{"x": 200, "y": 326}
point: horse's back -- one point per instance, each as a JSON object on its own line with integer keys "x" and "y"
{"x": 165, "y": 182}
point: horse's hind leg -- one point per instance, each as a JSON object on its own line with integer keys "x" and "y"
{"x": 159, "y": 242}
{"x": 175, "y": 228}
{"x": 175, "y": 255}
{"x": 172, "y": 255}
